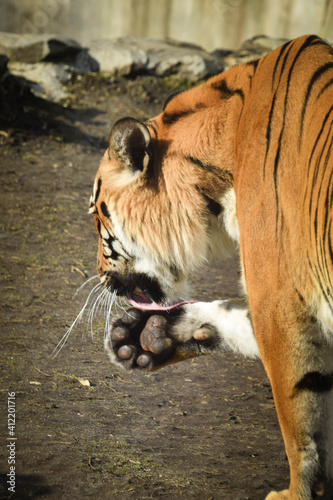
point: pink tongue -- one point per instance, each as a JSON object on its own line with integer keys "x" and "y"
{"x": 140, "y": 301}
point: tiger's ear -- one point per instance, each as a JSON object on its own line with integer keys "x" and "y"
{"x": 129, "y": 143}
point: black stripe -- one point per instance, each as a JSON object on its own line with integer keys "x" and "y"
{"x": 225, "y": 91}
{"x": 254, "y": 64}
{"x": 327, "y": 212}
{"x": 328, "y": 155}
{"x": 170, "y": 118}
{"x": 283, "y": 48}
{"x": 315, "y": 382}
{"x": 307, "y": 42}
{"x": 315, "y": 173}
{"x": 300, "y": 296}
{"x": 284, "y": 62}
{"x": 170, "y": 97}
{"x": 105, "y": 210}
{"x": 221, "y": 174}
{"x": 250, "y": 77}
{"x": 319, "y": 135}
{"x": 320, "y": 242}
{"x": 316, "y": 275}
{"x": 277, "y": 156}
{"x": 98, "y": 190}
{"x": 316, "y": 75}
{"x": 328, "y": 84}
{"x": 213, "y": 206}
{"x": 98, "y": 225}
{"x": 305, "y": 45}
{"x": 268, "y": 132}
{"x": 109, "y": 241}
{"x": 275, "y": 172}
{"x": 320, "y": 41}
{"x": 311, "y": 156}
{"x": 330, "y": 249}
{"x": 114, "y": 255}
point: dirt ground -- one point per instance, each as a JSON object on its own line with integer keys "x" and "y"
{"x": 203, "y": 429}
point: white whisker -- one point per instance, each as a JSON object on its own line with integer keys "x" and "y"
{"x": 90, "y": 312}
{"x": 78, "y": 318}
{"x": 106, "y": 302}
{"x": 111, "y": 299}
{"x": 100, "y": 300}
{"x": 94, "y": 308}
{"x": 121, "y": 302}
{"x": 84, "y": 284}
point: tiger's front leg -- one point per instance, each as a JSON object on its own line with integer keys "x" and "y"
{"x": 152, "y": 339}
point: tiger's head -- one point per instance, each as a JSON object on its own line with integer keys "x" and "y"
{"x": 163, "y": 201}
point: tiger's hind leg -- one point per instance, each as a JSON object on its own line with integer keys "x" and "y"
{"x": 299, "y": 362}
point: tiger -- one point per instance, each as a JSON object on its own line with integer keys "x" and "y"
{"x": 239, "y": 164}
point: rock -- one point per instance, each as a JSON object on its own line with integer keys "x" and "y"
{"x": 118, "y": 57}
{"x": 45, "y": 63}
{"x": 128, "y": 55}
{"x": 50, "y": 62}
{"x": 3, "y": 64}
{"x": 187, "y": 60}
{"x": 46, "y": 80}
{"x": 82, "y": 63}
{"x": 252, "y": 49}
{"x": 262, "y": 44}
{"x": 31, "y": 48}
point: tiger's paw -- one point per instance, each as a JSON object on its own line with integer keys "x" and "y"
{"x": 146, "y": 340}
{"x": 139, "y": 340}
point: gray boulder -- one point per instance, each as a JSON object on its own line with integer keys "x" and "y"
{"x": 118, "y": 56}
{"x": 46, "y": 80}
{"x": 47, "y": 63}
{"x": 252, "y": 49}
{"x": 30, "y": 48}
{"x": 128, "y": 55}
{"x": 44, "y": 63}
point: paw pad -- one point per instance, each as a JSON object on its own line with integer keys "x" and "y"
{"x": 138, "y": 340}
{"x": 153, "y": 337}
{"x": 205, "y": 333}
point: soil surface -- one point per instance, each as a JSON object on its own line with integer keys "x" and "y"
{"x": 203, "y": 429}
